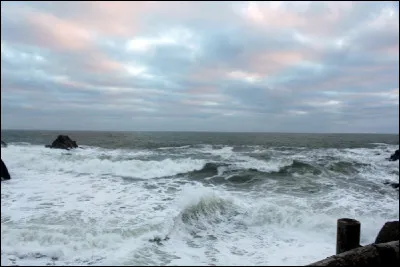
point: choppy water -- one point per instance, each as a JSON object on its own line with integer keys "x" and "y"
{"x": 221, "y": 198}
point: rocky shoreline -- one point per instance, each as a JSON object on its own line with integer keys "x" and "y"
{"x": 61, "y": 142}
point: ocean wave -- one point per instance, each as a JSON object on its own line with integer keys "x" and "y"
{"x": 239, "y": 171}
{"x": 96, "y": 162}
{"x": 208, "y": 210}
{"x": 215, "y": 163}
{"x": 18, "y": 144}
{"x": 173, "y": 147}
{"x": 299, "y": 167}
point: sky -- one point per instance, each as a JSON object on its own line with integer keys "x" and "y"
{"x": 276, "y": 66}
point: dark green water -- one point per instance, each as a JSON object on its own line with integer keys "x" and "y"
{"x": 166, "y": 139}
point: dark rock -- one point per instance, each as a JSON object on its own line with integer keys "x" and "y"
{"x": 395, "y": 156}
{"x": 388, "y": 233}
{"x": 63, "y": 142}
{"x": 3, "y": 144}
{"x": 4, "y": 172}
{"x": 394, "y": 185}
{"x": 382, "y": 254}
{"x": 158, "y": 240}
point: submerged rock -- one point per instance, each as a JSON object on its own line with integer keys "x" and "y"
{"x": 388, "y": 233}
{"x": 395, "y": 156}
{"x": 394, "y": 185}
{"x": 63, "y": 142}
{"x": 5, "y": 175}
{"x": 3, "y": 144}
{"x": 158, "y": 240}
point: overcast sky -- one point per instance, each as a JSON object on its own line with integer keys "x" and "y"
{"x": 200, "y": 66}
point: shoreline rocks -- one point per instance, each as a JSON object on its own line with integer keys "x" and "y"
{"x": 63, "y": 142}
{"x": 382, "y": 254}
{"x": 3, "y": 144}
{"x": 5, "y": 175}
{"x": 389, "y": 232}
{"x": 392, "y": 184}
{"x": 395, "y": 156}
{"x": 384, "y": 251}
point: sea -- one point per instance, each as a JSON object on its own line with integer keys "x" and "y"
{"x": 191, "y": 198}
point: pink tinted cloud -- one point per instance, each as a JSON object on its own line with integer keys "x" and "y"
{"x": 97, "y": 62}
{"x": 126, "y": 18}
{"x": 113, "y": 18}
{"x": 271, "y": 15}
{"x": 255, "y": 66}
{"x": 392, "y": 50}
{"x": 271, "y": 62}
{"x": 57, "y": 34}
{"x": 63, "y": 35}
{"x": 77, "y": 27}
{"x": 286, "y": 14}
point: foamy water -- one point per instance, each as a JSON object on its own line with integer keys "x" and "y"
{"x": 252, "y": 206}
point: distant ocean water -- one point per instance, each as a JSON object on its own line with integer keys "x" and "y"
{"x": 221, "y": 198}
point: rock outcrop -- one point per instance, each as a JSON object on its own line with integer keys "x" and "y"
{"x": 3, "y": 144}
{"x": 395, "y": 156}
{"x": 5, "y": 175}
{"x": 392, "y": 184}
{"x": 388, "y": 233}
{"x": 383, "y": 254}
{"x": 63, "y": 142}
{"x": 395, "y": 185}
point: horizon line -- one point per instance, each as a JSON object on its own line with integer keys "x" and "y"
{"x": 191, "y": 131}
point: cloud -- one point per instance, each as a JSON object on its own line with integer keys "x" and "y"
{"x": 227, "y": 66}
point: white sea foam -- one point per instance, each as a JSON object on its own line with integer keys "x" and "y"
{"x": 98, "y": 162}
{"x": 273, "y": 165}
{"x": 65, "y": 207}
